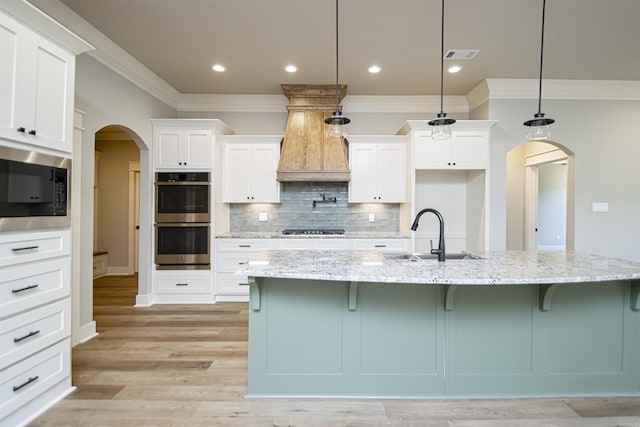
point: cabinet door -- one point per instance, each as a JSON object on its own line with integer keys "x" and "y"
{"x": 470, "y": 150}
{"x": 36, "y": 85}
{"x": 196, "y": 149}
{"x": 236, "y": 174}
{"x": 168, "y": 149}
{"x": 264, "y": 162}
{"x": 391, "y": 173}
{"x": 430, "y": 154}
{"x": 363, "y": 187}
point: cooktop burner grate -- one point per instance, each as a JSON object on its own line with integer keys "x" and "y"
{"x": 320, "y": 231}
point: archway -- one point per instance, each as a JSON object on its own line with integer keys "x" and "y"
{"x": 540, "y": 196}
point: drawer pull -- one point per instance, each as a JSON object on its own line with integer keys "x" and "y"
{"x": 380, "y": 246}
{"x": 243, "y": 284}
{"x": 244, "y": 246}
{"x": 182, "y": 284}
{"x": 26, "y": 383}
{"x": 26, "y": 288}
{"x": 30, "y": 334}
{"x": 25, "y": 248}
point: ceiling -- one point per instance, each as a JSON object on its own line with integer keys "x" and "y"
{"x": 180, "y": 40}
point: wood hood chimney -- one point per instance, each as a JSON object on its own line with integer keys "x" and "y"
{"x": 308, "y": 153}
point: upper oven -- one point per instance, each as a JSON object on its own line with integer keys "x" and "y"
{"x": 183, "y": 197}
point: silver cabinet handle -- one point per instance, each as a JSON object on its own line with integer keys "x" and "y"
{"x": 182, "y": 284}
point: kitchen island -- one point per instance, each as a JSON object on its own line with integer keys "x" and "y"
{"x": 515, "y": 323}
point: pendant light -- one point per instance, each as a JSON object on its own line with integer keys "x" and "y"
{"x": 539, "y": 125}
{"x": 441, "y": 125}
{"x": 337, "y": 122}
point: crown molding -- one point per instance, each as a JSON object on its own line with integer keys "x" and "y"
{"x": 567, "y": 90}
{"x": 42, "y": 23}
{"x": 233, "y": 103}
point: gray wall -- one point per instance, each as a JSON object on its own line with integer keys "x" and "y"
{"x": 607, "y": 168}
{"x": 108, "y": 99}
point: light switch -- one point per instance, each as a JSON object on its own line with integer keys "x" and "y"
{"x": 262, "y": 216}
{"x": 600, "y": 207}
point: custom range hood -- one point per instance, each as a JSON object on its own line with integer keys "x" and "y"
{"x": 308, "y": 152}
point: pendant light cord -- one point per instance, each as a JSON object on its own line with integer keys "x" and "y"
{"x": 442, "y": 61}
{"x": 541, "y": 55}
{"x": 337, "y": 59}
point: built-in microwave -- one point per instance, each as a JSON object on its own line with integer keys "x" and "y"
{"x": 183, "y": 197}
{"x": 34, "y": 190}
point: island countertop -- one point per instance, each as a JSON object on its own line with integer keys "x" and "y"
{"x": 494, "y": 268}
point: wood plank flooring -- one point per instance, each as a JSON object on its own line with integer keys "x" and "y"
{"x": 185, "y": 365}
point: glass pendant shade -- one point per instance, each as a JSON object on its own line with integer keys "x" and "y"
{"x": 441, "y": 127}
{"x": 337, "y": 124}
{"x": 539, "y": 127}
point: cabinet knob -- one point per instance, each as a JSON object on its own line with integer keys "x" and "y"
{"x": 32, "y": 132}
{"x": 21, "y": 129}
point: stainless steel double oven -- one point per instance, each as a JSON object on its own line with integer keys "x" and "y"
{"x": 183, "y": 220}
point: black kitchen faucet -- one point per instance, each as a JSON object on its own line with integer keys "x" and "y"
{"x": 440, "y": 250}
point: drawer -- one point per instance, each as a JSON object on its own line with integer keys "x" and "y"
{"x": 28, "y": 285}
{"x": 31, "y": 331}
{"x": 239, "y": 245}
{"x": 230, "y": 262}
{"x": 184, "y": 284}
{"x": 26, "y": 380}
{"x": 23, "y": 247}
{"x": 231, "y": 284}
{"x": 332, "y": 244}
{"x": 293, "y": 244}
{"x": 381, "y": 244}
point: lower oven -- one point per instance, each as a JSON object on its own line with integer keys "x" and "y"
{"x": 182, "y": 246}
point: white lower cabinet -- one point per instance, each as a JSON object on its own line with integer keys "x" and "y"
{"x": 183, "y": 286}
{"x": 382, "y": 245}
{"x": 230, "y": 255}
{"x": 35, "y": 323}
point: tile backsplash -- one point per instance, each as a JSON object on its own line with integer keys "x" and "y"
{"x": 296, "y": 210}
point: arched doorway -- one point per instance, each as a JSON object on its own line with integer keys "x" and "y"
{"x": 540, "y": 196}
{"x": 116, "y": 199}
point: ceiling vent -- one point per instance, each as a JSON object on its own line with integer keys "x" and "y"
{"x": 461, "y": 54}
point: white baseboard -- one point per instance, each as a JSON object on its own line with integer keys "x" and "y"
{"x": 119, "y": 271}
{"x": 85, "y": 333}
{"x": 232, "y": 298}
{"x": 144, "y": 300}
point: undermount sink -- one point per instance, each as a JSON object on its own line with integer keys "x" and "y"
{"x": 420, "y": 256}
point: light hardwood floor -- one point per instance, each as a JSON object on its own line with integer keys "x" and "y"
{"x": 185, "y": 365}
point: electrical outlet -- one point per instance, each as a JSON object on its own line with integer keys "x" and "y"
{"x": 262, "y": 216}
{"x": 372, "y": 217}
{"x": 600, "y": 207}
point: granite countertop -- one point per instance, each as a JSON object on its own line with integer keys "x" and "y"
{"x": 279, "y": 235}
{"x": 495, "y": 268}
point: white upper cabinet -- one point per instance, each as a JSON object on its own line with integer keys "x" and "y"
{"x": 36, "y": 88}
{"x": 249, "y": 169}
{"x": 465, "y": 150}
{"x": 378, "y": 169}
{"x": 186, "y": 143}
{"x": 184, "y": 149}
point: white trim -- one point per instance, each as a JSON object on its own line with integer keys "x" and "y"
{"x": 569, "y": 90}
{"x": 545, "y": 157}
{"x": 85, "y": 333}
{"x": 531, "y": 207}
{"x": 144, "y": 300}
{"x": 134, "y": 167}
{"x": 478, "y": 95}
{"x": 118, "y": 271}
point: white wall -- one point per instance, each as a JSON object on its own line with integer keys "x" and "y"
{"x": 108, "y": 99}
{"x": 607, "y": 168}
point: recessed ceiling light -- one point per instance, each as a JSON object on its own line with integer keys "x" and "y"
{"x": 291, "y": 68}
{"x": 454, "y": 69}
{"x": 217, "y": 67}
{"x": 374, "y": 69}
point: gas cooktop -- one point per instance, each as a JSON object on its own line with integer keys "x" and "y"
{"x": 297, "y": 231}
